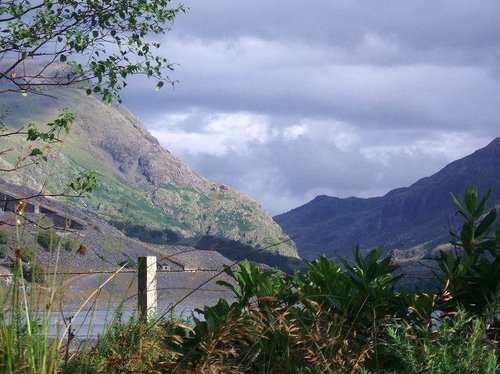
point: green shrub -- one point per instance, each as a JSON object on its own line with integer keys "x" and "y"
{"x": 4, "y": 236}
{"x": 457, "y": 346}
{"x": 48, "y": 239}
{"x": 28, "y": 255}
{"x": 70, "y": 245}
{"x": 281, "y": 323}
{"x": 4, "y": 251}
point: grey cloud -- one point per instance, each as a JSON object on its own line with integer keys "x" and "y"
{"x": 409, "y": 85}
{"x": 423, "y": 96}
{"x": 422, "y": 25}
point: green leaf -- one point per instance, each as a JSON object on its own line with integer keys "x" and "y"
{"x": 471, "y": 200}
{"x": 461, "y": 208}
{"x": 485, "y": 226}
{"x": 482, "y": 205}
{"x": 36, "y": 152}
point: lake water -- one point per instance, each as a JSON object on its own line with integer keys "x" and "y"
{"x": 91, "y": 324}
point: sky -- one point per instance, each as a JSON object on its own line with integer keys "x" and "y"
{"x": 286, "y": 100}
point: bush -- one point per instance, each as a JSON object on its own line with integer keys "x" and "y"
{"x": 70, "y": 245}
{"x": 48, "y": 239}
{"x": 458, "y": 344}
{"x": 4, "y": 251}
{"x": 28, "y": 255}
{"x": 4, "y": 236}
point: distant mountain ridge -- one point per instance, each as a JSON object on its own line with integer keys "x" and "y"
{"x": 420, "y": 214}
{"x": 142, "y": 186}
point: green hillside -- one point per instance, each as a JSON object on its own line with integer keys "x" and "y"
{"x": 139, "y": 181}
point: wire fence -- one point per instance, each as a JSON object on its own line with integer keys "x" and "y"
{"x": 134, "y": 271}
{"x": 125, "y": 271}
{"x": 172, "y": 295}
{"x": 204, "y": 285}
{"x": 130, "y": 295}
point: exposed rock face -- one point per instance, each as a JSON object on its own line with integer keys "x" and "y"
{"x": 138, "y": 179}
{"x": 403, "y": 218}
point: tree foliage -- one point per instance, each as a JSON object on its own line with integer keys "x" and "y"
{"x": 96, "y": 43}
{"x": 93, "y": 44}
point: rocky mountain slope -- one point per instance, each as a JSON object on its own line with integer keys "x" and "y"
{"x": 143, "y": 189}
{"x": 418, "y": 215}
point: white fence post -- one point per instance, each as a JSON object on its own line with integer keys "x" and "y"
{"x": 147, "y": 287}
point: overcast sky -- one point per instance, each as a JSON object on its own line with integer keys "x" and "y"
{"x": 285, "y": 100}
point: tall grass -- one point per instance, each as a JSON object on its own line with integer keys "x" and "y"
{"x": 24, "y": 327}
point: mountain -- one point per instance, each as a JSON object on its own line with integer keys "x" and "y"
{"x": 142, "y": 188}
{"x": 420, "y": 214}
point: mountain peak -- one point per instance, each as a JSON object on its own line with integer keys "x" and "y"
{"x": 403, "y": 218}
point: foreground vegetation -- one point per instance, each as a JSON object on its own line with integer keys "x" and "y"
{"x": 337, "y": 318}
